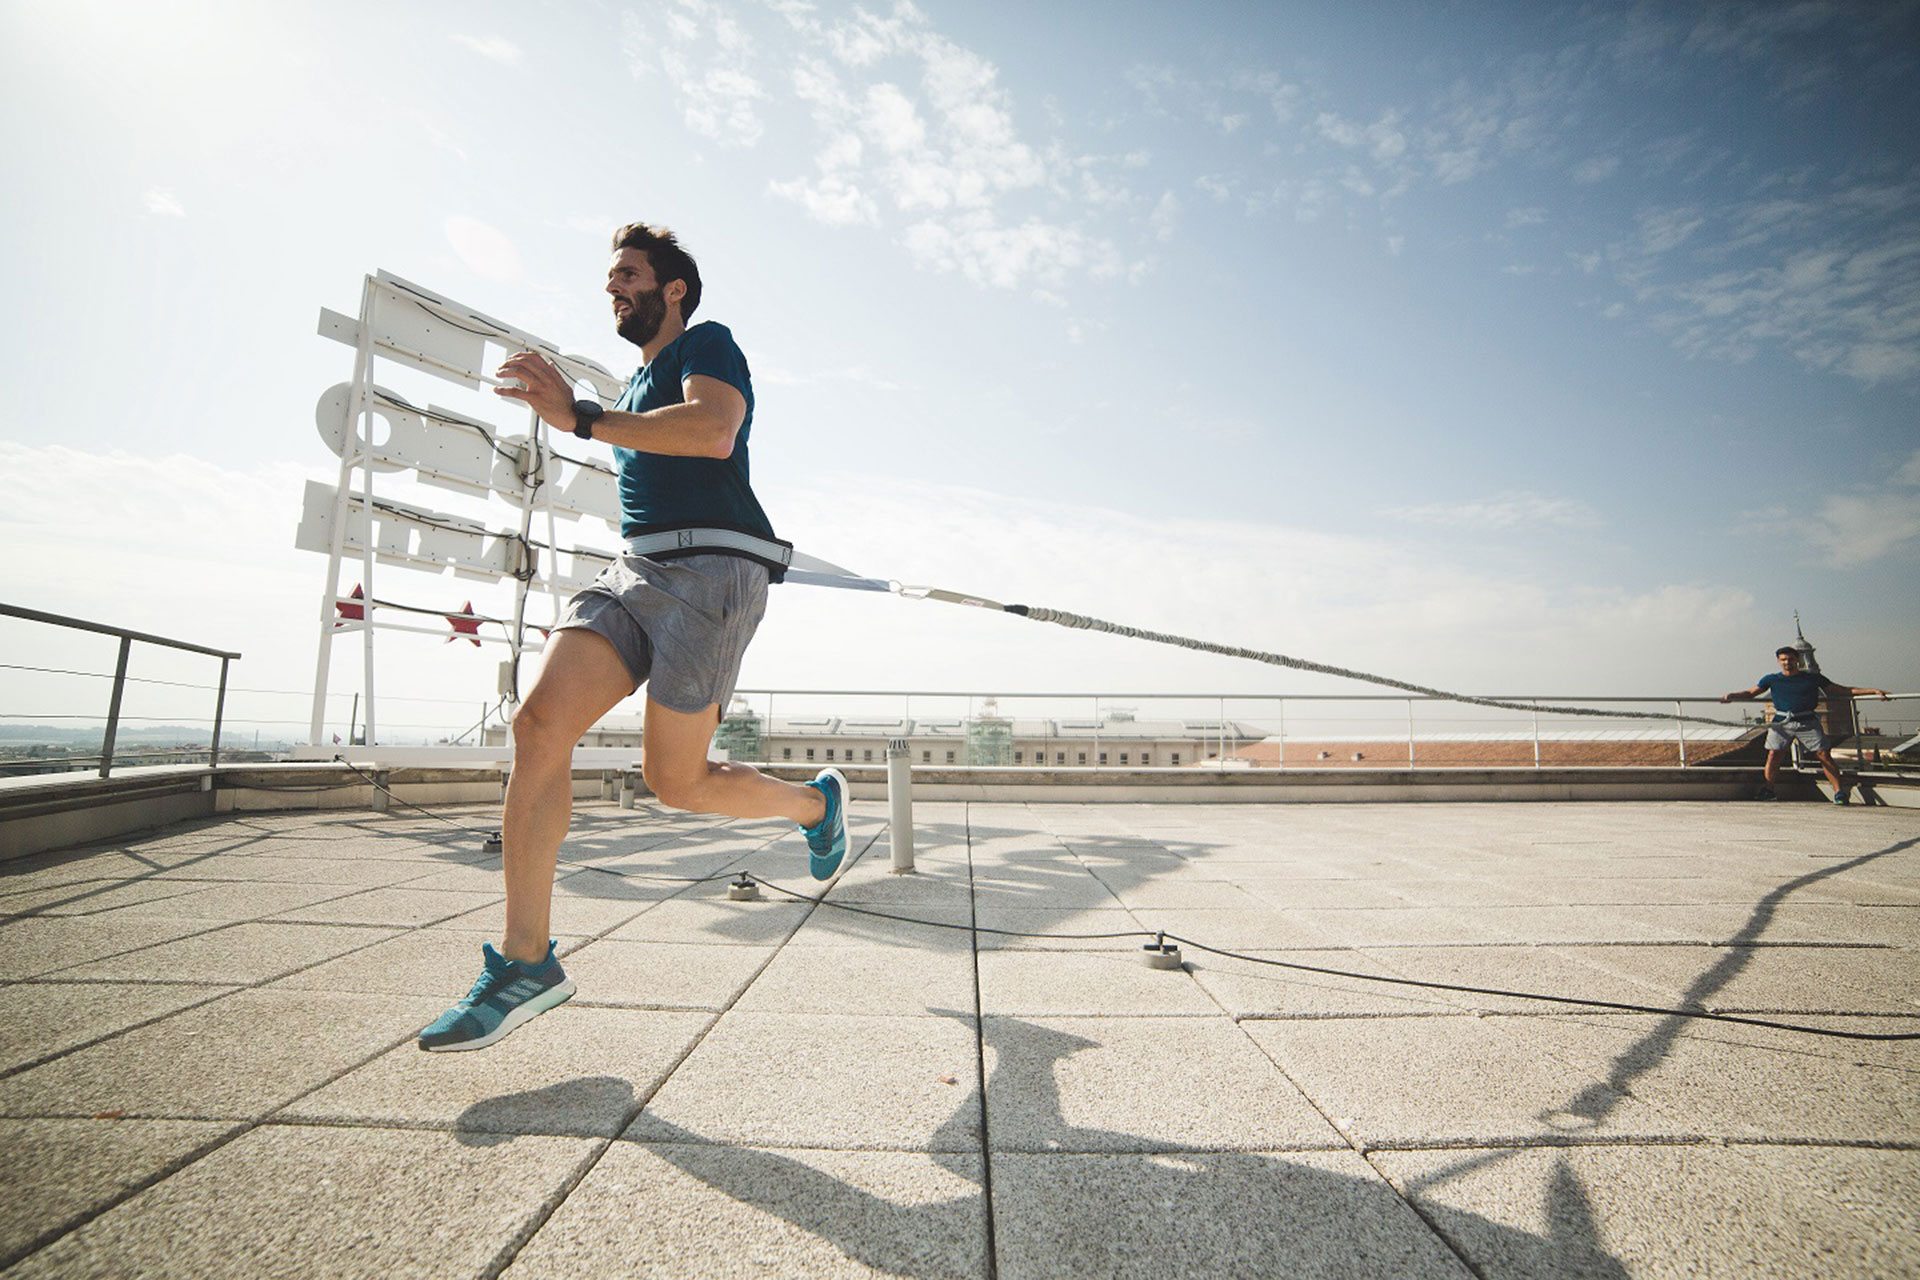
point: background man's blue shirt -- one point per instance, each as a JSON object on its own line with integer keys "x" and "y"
{"x": 658, "y": 491}
{"x": 1793, "y": 695}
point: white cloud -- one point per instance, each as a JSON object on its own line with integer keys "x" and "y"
{"x": 707, "y": 59}
{"x": 1500, "y": 513}
{"x": 486, "y": 251}
{"x": 161, "y": 202}
{"x": 1856, "y": 528}
{"x": 911, "y": 123}
{"x": 496, "y": 48}
{"x": 1598, "y": 169}
{"x": 1165, "y": 218}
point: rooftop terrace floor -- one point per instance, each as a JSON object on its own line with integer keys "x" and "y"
{"x": 207, "y": 1065}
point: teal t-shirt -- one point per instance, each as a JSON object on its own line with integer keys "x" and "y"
{"x": 659, "y": 491}
{"x": 1793, "y": 695}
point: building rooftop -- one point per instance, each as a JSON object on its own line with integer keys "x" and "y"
{"x": 207, "y": 1066}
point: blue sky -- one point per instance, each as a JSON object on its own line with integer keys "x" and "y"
{"x": 1500, "y": 346}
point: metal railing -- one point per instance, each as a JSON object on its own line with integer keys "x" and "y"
{"x": 1262, "y": 730}
{"x": 127, "y": 639}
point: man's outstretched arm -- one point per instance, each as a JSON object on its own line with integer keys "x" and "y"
{"x": 703, "y": 427}
{"x": 1846, "y": 692}
{"x": 1742, "y": 695}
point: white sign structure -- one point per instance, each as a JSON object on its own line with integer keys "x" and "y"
{"x": 376, "y": 431}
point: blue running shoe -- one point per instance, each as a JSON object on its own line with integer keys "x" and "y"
{"x": 507, "y": 994}
{"x": 828, "y": 841}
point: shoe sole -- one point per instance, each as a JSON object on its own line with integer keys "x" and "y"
{"x": 814, "y": 861}
{"x": 554, "y": 995}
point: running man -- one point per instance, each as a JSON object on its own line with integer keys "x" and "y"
{"x": 1796, "y": 702}
{"x": 676, "y": 619}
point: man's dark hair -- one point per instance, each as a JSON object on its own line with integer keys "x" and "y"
{"x": 1784, "y": 650}
{"x": 668, "y": 260}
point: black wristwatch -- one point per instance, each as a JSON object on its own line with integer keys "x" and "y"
{"x": 585, "y": 414}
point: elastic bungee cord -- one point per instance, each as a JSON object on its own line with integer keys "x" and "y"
{"x": 1699, "y": 1015}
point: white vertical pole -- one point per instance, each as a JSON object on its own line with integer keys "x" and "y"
{"x": 356, "y": 406}
{"x": 366, "y": 461}
{"x": 900, "y": 804}
{"x": 1680, "y": 726}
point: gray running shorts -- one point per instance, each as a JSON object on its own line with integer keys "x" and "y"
{"x": 681, "y": 626}
{"x": 1807, "y": 732}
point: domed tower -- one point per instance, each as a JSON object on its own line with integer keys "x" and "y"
{"x": 1805, "y": 649}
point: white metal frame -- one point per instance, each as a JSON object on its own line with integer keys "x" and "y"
{"x": 403, "y": 324}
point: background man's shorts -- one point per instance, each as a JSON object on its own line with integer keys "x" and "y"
{"x": 681, "y": 626}
{"x": 1809, "y": 733}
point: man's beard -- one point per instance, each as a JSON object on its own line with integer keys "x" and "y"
{"x": 642, "y": 322}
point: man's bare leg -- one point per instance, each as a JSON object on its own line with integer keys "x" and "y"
{"x": 1772, "y": 771}
{"x": 678, "y": 771}
{"x": 1831, "y": 769}
{"x": 581, "y": 680}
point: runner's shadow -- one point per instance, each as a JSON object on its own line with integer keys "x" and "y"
{"x": 590, "y": 1106}
{"x": 1090, "y": 1202}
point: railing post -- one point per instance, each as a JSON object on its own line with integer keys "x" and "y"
{"x": 1680, "y": 726}
{"x": 1409, "y": 733}
{"x": 219, "y": 711}
{"x": 900, "y": 804}
{"x": 113, "y": 708}
{"x": 1536, "y": 737}
{"x": 1282, "y": 763}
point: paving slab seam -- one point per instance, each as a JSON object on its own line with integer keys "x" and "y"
{"x": 1356, "y": 1145}
{"x": 41, "y": 1061}
{"x": 980, "y": 1058}
{"x": 511, "y": 1249}
{"x": 153, "y": 1179}
{"x": 240, "y": 1130}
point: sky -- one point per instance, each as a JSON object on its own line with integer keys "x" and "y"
{"x": 1504, "y": 347}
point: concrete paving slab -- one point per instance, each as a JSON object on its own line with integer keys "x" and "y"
{"x": 1247, "y": 989}
{"x": 61, "y": 1171}
{"x": 576, "y": 913}
{"x": 715, "y": 920}
{"x": 1721, "y": 1082}
{"x": 270, "y": 867}
{"x": 1058, "y": 928}
{"x": 440, "y": 962}
{"x": 1770, "y": 978}
{"x": 1320, "y": 1215}
{"x": 341, "y": 1203}
{"x": 851, "y": 1082}
{"x": 884, "y": 979}
{"x": 573, "y": 1071}
{"x": 935, "y": 927}
{"x": 872, "y": 884}
{"x": 1183, "y": 892}
{"x": 1602, "y": 922}
{"x": 237, "y": 901}
{"x": 1295, "y": 892}
{"x": 695, "y": 1210}
{"x": 1274, "y": 930}
{"x": 1716, "y": 924}
{"x": 1584, "y": 1212}
{"x": 1079, "y": 889}
{"x": 237, "y": 1058}
{"x": 38, "y": 1019}
{"x": 1539, "y": 970}
{"x": 1405, "y": 926}
{"x": 1879, "y": 1186}
{"x": 1103, "y": 1084}
{"x": 241, "y": 953}
{"x": 90, "y": 897}
{"x": 1453, "y": 1081}
{"x": 39, "y": 946}
{"x": 662, "y": 975}
{"x": 397, "y": 905}
{"x": 1114, "y": 983}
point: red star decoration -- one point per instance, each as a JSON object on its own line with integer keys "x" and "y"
{"x": 464, "y": 624}
{"x": 351, "y": 612}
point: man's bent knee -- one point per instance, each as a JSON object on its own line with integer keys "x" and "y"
{"x": 679, "y": 788}
{"x": 537, "y": 732}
